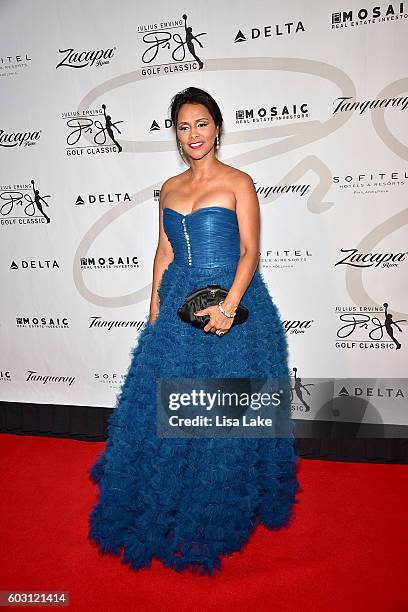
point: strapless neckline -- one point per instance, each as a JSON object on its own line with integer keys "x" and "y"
{"x": 193, "y": 212}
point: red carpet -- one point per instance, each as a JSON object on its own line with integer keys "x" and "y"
{"x": 346, "y": 549}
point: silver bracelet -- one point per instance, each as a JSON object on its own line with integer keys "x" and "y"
{"x": 224, "y": 312}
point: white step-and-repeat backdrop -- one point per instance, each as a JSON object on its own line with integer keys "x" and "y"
{"x": 315, "y": 103}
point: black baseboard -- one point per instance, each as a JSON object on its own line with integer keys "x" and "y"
{"x": 333, "y": 441}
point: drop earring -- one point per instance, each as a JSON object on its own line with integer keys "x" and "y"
{"x": 217, "y": 142}
{"x": 180, "y": 149}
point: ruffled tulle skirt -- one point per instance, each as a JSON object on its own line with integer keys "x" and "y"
{"x": 189, "y": 501}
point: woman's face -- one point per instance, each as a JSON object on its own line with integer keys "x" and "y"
{"x": 195, "y": 125}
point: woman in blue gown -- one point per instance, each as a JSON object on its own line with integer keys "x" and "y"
{"x": 188, "y": 501}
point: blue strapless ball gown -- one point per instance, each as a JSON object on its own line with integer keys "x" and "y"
{"x": 188, "y": 501}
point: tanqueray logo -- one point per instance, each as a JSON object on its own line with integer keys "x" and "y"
{"x": 343, "y": 104}
{"x": 83, "y": 59}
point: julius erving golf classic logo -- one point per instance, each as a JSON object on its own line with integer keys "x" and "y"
{"x": 170, "y": 46}
{"x": 92, "y": 132}
{"x": 299, "y": 390}
{"x": 24, "y": 205}
{"x": 367, "y": 327}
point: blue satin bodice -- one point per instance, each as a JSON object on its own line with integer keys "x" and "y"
{"x": 207, "y": 237}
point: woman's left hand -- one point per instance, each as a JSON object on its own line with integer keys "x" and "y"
{"x": 217, "y": 321}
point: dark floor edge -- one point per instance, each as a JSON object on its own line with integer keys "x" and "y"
{"x": 333, "y": 441}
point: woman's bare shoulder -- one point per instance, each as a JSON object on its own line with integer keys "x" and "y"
{"x": 171, "y": 183}
{"x": 242, "y": 186}
{"x": 235, "y": 174}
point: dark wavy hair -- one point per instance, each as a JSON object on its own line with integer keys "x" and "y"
{"x": 194, "y": 95}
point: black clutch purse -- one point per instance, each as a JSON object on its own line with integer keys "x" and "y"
{"x": 201, "y": 298}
